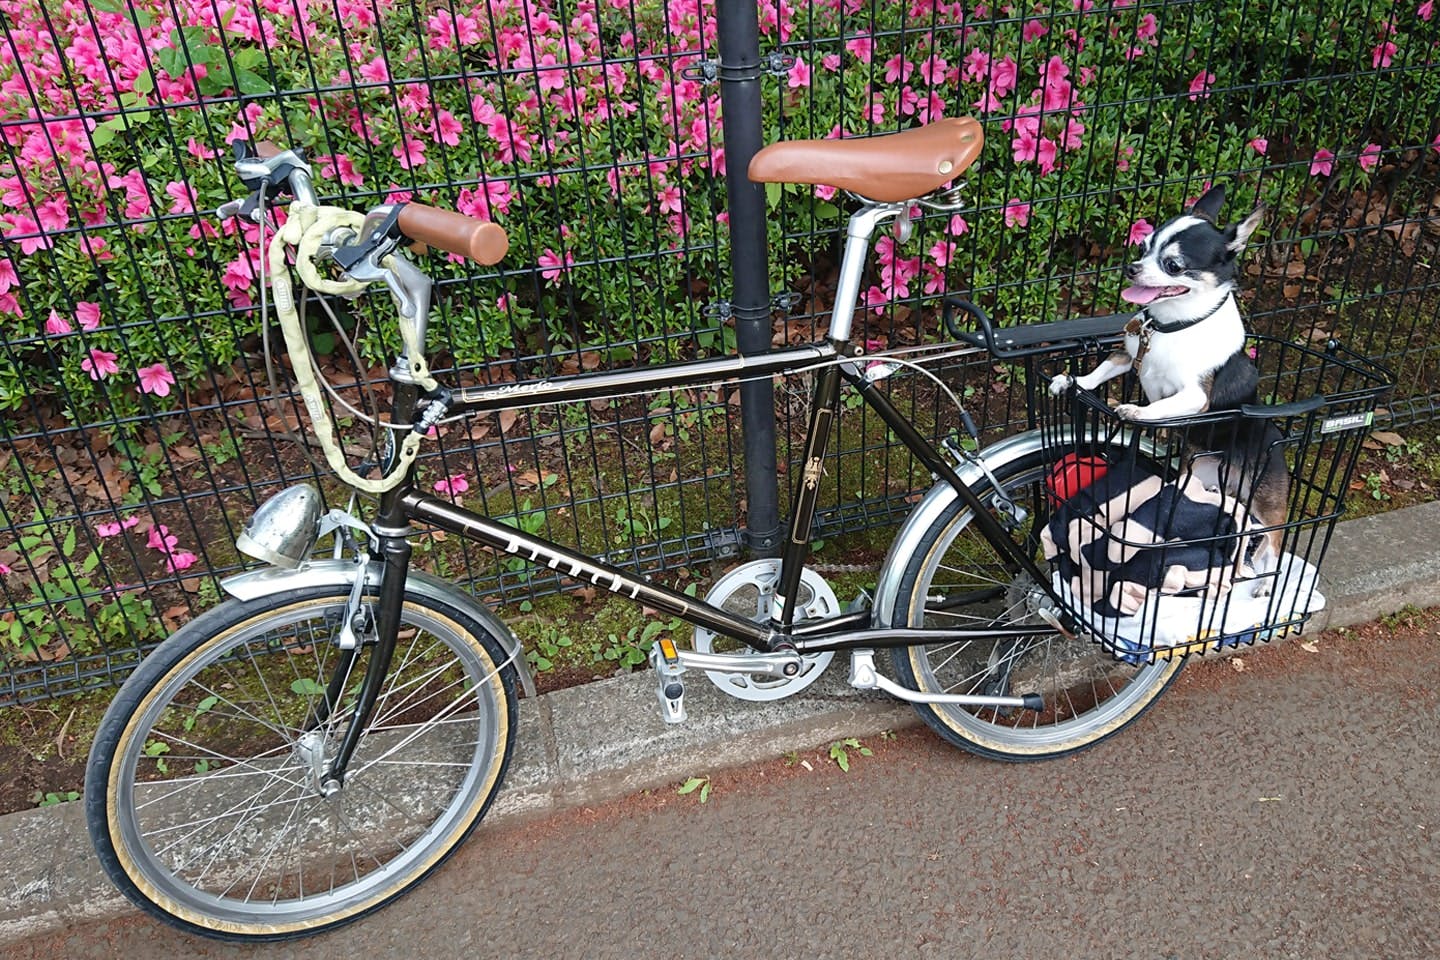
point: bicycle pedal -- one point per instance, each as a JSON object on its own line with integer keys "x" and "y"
{"x": 670, "y": 690}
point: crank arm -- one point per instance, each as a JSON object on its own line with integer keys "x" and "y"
{"x": 763, "y": 664}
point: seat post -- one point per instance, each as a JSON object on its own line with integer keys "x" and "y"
{"x": 852, "y": 266}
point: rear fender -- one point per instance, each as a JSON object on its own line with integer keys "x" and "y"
{"x": 928, "y": 511}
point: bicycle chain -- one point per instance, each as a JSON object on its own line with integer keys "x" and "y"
{"x": 844, "y": 567}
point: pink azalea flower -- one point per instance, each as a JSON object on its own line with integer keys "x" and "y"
{"x": 447, "y": 128}
{"x": 1139, "y": 230}
{"x": 1382, "y": 54}
{"x": 376, "y": 71}
{"x": 1003, "y": 75}
{"x": 5, "y": 570}
{"x": 958, "y": 226}
{"x": 87, "y": 314}
{"x": 1033, "y": 30}
{"x": 1200, "y": 85}
{"x": 977, "y": 65}
{"x": 182, "y": 196}
{"x": 1148, "y": 29}
{"x": 1259, "y": 145}
{"x": 799, "y": 74}
{"x": 863, "y": 48}
{"x": 160, "y": 538}
{"x": 114, "y": 529}
{"x": 898, "y": 69}
{"x": 99, "y": 364}
{"x": 56, "y": 325}
{"x": 182, "y": 560}
{"x": 1322, "y": 164}
{"x": 199, "y": 150}
{"x": 8, "y": 277}
{"x": 156, "y": 379}
{"x": 941, "y": 252}
{"x": 1369, "y": 157}
{"x": 411, "y": 153}
{"x": 1427, "y": 10}
{"x": 452, "y": 485}
{"x": 831, "y": 62}
{"x": 1017, "y": 214}
{"x": 553, "y": 265}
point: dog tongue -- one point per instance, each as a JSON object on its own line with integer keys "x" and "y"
{"x": 1141, "y": 295}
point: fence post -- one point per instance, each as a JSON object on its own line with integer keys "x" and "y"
{"x": 738, "y": 29}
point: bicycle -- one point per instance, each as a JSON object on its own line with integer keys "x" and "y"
{"x": 319, "y": 743}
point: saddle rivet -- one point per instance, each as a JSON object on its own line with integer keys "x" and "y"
{"x": 946, "y": 166}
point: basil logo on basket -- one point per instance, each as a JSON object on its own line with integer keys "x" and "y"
{"x": 1347, "y": 422}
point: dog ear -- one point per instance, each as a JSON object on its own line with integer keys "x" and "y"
{"x": 1208, "y": 206}
{"x": 1238, "y": 234}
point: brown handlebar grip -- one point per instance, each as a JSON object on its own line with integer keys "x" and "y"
{"x": 480, "y": 240}
{"x": 265, "y": 149}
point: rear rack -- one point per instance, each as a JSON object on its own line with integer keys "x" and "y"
{"x": 1035, "y": 339}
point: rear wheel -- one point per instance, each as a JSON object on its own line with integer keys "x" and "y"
{"x": 954, "y": 578}
{"x": 204, "y": 791}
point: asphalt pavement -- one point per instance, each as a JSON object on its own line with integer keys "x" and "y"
{"x": 586, "y": 747}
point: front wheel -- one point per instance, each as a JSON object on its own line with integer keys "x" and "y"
{"x": 205, "y": 794}
{"x": 954, "y": 578}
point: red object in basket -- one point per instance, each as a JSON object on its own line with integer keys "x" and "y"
{"x": 1071, "y": 474}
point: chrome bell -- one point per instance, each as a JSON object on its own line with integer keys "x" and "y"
{"x": 284, "y": 529}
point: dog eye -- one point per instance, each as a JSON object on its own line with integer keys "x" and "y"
{"x": 1172, "y": 265}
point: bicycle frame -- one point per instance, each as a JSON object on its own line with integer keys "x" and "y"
{"x": 835, "y": 363}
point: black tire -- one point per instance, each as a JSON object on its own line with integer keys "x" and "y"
{"x": 1088, "y": 695}
{"x": 201, "y": 789}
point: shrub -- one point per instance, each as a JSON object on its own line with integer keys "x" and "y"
{"x": 582, "y": 127}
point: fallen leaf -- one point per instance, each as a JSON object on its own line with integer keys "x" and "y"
{"x": 1388, "y": 438}
{"x": 1309, "y": 647}
{"x": 507, "y": 420}
{"x": 1237, "y": 664}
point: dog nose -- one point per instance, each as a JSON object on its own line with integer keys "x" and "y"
{"x": 1132, "y": 270}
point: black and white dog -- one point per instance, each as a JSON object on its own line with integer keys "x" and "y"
{"x": 1187, "y": 345}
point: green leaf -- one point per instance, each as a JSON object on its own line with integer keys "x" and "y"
{"x": 248, "y": 81}
{"x": 306, "y": 687}
{"x": 172, "y": 61}
{"x": 696, "y": 783}
{"x": 68, "y": 548}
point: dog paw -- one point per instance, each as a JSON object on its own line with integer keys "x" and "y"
{"x": 1127, "y": 411}
{"x": 1060, "y": 383}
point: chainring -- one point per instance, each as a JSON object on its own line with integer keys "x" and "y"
{"x": 749, "y": 591}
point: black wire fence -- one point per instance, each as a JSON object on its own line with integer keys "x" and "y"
{"x": 144, "y": 413}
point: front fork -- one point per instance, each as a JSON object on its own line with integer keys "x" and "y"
{"x": 392, "y": 531}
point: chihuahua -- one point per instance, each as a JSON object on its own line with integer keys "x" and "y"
{"x": 1187, "y": 345}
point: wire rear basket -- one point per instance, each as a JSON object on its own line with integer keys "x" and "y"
{"x": 1191, "y": 534}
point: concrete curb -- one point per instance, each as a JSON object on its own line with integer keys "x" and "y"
{"x": 604, "y": 740}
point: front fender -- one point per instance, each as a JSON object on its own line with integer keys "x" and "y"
{"x": 254, "y": 584}
{"x": 928, "y": 511}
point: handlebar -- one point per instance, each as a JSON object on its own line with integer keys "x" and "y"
{"x": 454, "y": 232}
{"x": 272, "y": 170}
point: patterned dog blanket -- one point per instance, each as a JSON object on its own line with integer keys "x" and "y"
{"x": 1131, "y": 533}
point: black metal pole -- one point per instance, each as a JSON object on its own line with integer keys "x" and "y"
{"x": 738, "y": 29}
